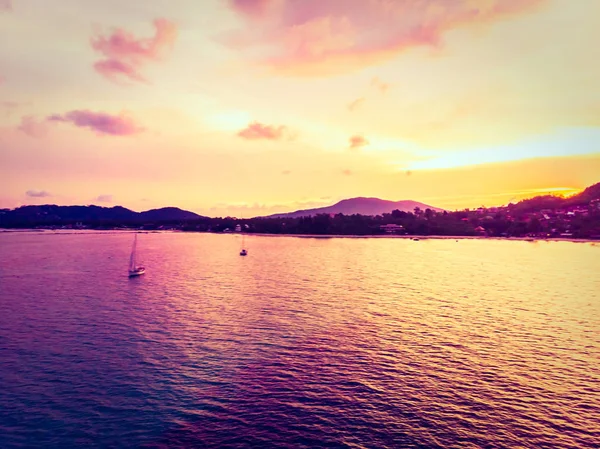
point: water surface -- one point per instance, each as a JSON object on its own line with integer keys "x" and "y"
{"x": 345, "y": 343}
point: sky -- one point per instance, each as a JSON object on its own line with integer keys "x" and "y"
{"x": 252, "y": 107}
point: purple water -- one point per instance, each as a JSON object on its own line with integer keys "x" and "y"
{"x": 346, "y": 343}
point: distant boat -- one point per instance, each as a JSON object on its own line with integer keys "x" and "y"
{"x": 243, "y": 252}
{"x": 134, "y": 269}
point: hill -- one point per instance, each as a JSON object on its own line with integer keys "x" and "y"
{"x": 589, "y": 194}
{"x": 168, "y": 213}
{"x": 362, "y": 206}
{"x": 551, "y": 202}
{"x": 50, "y": 214}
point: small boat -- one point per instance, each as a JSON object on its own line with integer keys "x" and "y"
{"x": 134, "y": 269}
{"x": 243, "y": 252}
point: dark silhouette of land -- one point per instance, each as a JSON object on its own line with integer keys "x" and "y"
{"x": 52, "y": 215}
{"x": 546, "y": 216}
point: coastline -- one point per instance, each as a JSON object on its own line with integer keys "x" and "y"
{"x": 428, "y": 237}
{"x": 307, "y": 236}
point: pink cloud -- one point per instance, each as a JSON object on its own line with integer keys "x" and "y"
{"x": 5, "y": 5}
{"x": 33, "y": 127}
{"x": 113, "y": 69}
{"x": 256, "y": 131}
{"x": 126, "y": 55}
{"x": 356, "y": 104}
{"x": 317, "y": 37}
{"x": 251, "y": 7}
{"x": 346, "y": 172}
{"x": 358, "y": 141}
{"x": 100, "y": 122}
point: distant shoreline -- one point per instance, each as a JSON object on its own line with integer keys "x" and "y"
{"x": 310, "y": 236}
{"x": 430, "y": 237}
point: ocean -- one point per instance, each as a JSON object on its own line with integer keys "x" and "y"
{"x": 304, "y": 343}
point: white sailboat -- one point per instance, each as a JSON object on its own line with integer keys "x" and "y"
{"x": 134, "y": 270}
{"x": 243, "y": 252}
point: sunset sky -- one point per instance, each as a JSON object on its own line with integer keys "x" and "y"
{"x": 250, "y": 107}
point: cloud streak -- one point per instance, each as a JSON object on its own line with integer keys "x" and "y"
{"x": 320, "y": 37}
{"x": 100, "y": 122}
{"x": 259, "y": 131}
{"x": 104, "y": 198}
{"x": 356, "y": 104}
{"x": 116, "y": 70}
{"x": 125, "y": 55}
{"x": 37, "y": 194}
{"x": 9, "y": 106}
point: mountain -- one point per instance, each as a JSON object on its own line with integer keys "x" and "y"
{"x": 362, "y": 206}
{"x": 51, "y": 214}
{"x": 168, "y": 213}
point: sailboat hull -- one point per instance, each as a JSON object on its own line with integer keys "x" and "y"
{"x": 136, "y": 272}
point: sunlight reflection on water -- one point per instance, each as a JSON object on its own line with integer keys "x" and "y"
{"x": 303, "y": 343}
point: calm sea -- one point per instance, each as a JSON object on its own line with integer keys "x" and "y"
{"x": 342, "y": 343}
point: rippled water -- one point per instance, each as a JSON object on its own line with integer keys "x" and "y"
{"x": 356, "y": 343}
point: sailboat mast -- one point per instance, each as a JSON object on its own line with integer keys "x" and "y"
{"x": 132, "y": 258}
